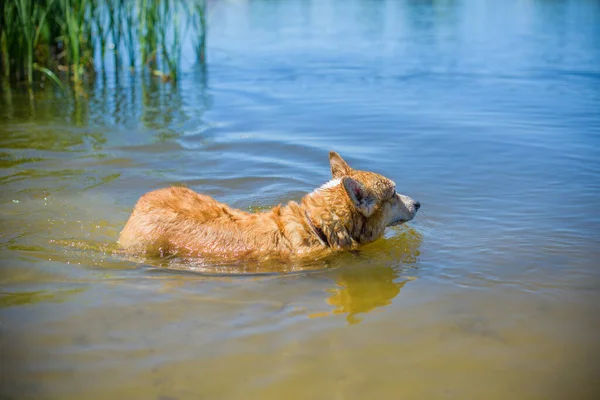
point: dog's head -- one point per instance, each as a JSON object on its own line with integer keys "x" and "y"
{"x": 364, "y": 203}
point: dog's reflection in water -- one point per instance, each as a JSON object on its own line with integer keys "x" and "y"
{"x": 361, "y": 291}
{"x": 360, "y": 288}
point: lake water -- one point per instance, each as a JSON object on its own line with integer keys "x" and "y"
{"x": 487, "y": 112}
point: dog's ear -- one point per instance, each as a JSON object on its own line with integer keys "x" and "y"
{"x": 339, "y": 167}
{"x": 359, "y": 196}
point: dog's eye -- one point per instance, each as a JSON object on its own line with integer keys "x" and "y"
{"x": 393, "y": 194}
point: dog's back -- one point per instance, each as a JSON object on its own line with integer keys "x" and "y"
{"x": 163, "y": 217}
{"x": 177, "y": 220}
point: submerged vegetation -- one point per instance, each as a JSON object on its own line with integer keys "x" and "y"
{"x": 68, "y": 40}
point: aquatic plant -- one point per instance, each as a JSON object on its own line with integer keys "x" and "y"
{"x": 199, "y": 20}
{"x": 68, "y": 39}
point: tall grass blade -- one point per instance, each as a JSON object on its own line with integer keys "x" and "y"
{"x": 50, "y": 75}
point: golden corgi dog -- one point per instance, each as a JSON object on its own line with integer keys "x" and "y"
{"x": 352, "y": 209}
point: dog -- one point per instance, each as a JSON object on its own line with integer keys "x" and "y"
{"x": 352, "y": 209}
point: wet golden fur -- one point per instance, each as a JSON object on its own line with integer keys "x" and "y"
{"x": 353, "y": 209}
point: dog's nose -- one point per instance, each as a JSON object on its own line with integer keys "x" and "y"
{"x": 417, "y": 205}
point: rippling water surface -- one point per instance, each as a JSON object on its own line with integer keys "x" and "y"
{"x": 486, "y": 112}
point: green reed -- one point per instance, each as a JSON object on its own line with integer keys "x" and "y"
{"x": 198, "y": 12}
{"x": 65, "y": 40}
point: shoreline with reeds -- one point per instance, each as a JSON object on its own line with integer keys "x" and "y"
{"x": 68, "y": 41}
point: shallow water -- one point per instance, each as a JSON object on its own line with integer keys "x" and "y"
{"x": 485, "y": 112}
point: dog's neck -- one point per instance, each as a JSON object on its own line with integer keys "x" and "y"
{"x": 318, "y": 232}
{"x": 326, "y": 212}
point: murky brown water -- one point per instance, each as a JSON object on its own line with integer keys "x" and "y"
{"x": 487, "y": 113}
